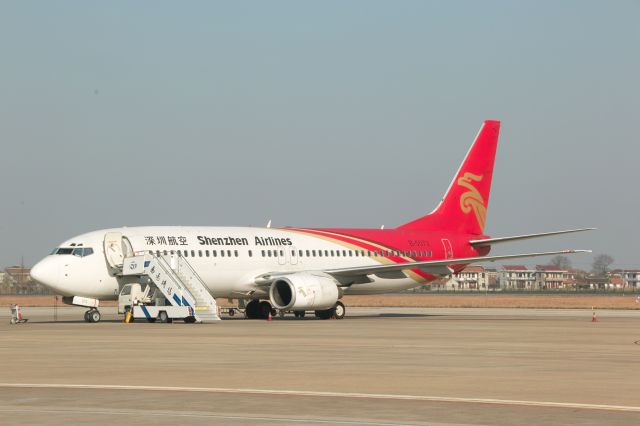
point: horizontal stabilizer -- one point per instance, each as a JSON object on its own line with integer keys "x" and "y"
{"x": 492, "y": 241}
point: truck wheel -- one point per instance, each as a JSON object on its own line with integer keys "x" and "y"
{"x": 163, "y": 317}
{"x": 232, "y": 312}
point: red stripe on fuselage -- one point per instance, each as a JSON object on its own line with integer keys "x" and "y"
{"x": 367, "y": 245}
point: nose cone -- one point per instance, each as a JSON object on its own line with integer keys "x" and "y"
{"x": 46, "y": 272}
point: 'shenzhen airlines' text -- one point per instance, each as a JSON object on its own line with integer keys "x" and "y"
{"x": 232, "y": 241}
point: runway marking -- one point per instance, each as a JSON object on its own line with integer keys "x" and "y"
{"x": 321, "y": 394}
{"x": 125, "y": 412}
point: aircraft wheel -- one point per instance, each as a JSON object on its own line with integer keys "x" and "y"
{"x": 265, "y": 309}
{"x": 339, "y": 310}
{"x": 299, "y": 314}
{"x": 86, "y": 316}
{"x": 94, "y": 315}
{"x": 232, "y": 312}
{"x": 325, "y": 313}
{"x": 251, "y": 311}
{"x": 163, "y": 317}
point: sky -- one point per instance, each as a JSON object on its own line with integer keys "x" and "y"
{"x": 318, "y": 114}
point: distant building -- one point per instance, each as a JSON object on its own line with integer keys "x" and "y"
{"x": 471, "y": 278}
{"x": 17, "y": 280}
{"x": 631, "y": 278}
{"x": 517, "y": 277}
{"x": 550, "y": 277}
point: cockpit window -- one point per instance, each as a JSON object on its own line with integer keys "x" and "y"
{"x": 63, "y": 250}
{"x": 77, "y": 251}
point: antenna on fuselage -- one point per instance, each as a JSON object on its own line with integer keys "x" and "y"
{"x": 269, "y": 224}
{"x": 382, "y": 227}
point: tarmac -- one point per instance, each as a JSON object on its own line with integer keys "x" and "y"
{"x": 383, "y": 366}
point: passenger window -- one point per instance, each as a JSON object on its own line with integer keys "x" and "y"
{"x": 281, "y": 253}
{"x": 228, "y": 253}
{"x": 235, "y": 253}
{"x": 369, "y": 253}
{"x": 185, "y": 253}
{"x": 269, "y": 253}
{"x": 293, "y": 253}
{"x": 307, "y": 253}
{"x": 350, "y": 253}
{"x": 199, "y": 253}
{"x": 313, "y": 252}
{"x": 250, "y": 253}
{"x": 344, "y": 253}
{"x": 214, "y": 253}
{"x": 262, "y": 253}
{"x": 299, "y": 253}
{"x": 206, "y": 253}
{"x": 319, "y": 253}
{"x": 338, "y": 253}
{"x": 221, "y": 253}
{"x": 157, "y": 252}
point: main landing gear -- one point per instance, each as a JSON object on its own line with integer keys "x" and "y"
{"x": 257, "y": 309}
{"x": 92, "y": 315}
{"x": 338, "y": 312}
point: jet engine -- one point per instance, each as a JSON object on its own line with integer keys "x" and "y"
{"x": 304, "y": 291}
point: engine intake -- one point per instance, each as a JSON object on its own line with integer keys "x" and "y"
{"x": 304, "y": 291}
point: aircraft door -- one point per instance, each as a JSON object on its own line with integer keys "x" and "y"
{"x": 116, "y": 248}
{"x": 448, "y": 250}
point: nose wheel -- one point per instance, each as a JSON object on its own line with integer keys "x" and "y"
{"x": 92, "y": 315}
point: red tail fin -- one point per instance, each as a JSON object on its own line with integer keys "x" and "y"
{"x": 464, "y": 206}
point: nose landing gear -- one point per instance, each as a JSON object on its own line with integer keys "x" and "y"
{"x": 92, "y": 315}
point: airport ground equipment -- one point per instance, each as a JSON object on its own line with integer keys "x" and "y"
{"x": 171, "y": 283}
{"x": 146, "y": 302}
{"x": 16, "y": 315}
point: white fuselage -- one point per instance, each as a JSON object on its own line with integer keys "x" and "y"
{"x": 228, "y": 259}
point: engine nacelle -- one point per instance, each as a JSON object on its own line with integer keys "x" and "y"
{"x": 304, "y": 291}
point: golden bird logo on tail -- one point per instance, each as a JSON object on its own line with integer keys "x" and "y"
{"x": 472, "y": 200}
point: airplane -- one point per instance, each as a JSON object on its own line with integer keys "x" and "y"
{"x": 299, "y": 269}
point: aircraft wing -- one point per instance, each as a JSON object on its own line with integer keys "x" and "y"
{"x": 436, "y": 267}
{"x": 492, "y": 241}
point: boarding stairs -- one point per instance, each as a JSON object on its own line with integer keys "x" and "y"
{"x": 177, "y": 281}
